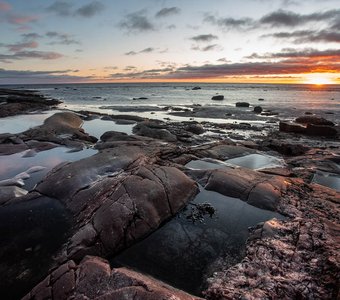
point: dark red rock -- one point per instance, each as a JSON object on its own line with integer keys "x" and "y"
{"x": 291, "y": 127}
{"x": 313, "y": 120}
{"x": 94, "y": 279}
{"x": 321, "y": 130}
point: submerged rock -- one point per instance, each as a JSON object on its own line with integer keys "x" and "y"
{"x": 242, "y": 104}
{"x": 93, "y": 278}
{"x": 218, "y": 97}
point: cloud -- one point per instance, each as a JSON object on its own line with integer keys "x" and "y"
{"x": 145, "y": 74}
{"x": 303, "y": 54}
{"x": 204, "y": 38}
{"x": 308, "y": 36}
{"x": 230, "y": 23}
{"x": 16, "y": 19}
{"x": 60, "y": 8}
{"x": 90, "y": 9}
{"x": 167, "y": 11}
{"x": 4, "y": 6}
{"x": 146, "y": 50}
{"x": 61, "y": 38}
{"x": 31, "y": 36}
{"x": 20, "y": 46}
{"x": 136, "y": 22}
{"x": 291, "y": 19}
{"x": 65, "y": 9}
{"x": 44, "y": 55}
{"x": 213, "y": 47}
{"x": 26, "y": 76}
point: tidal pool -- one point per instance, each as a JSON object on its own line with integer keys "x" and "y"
{"x": 20, "y": 123}
{"x": 97, "y": 127}
{"x": 257, "y": 161}
{"x": 327, "y": 179}
{"x": 182, "y": 251}
{"x": 31, "y": 233}
{"x": 12, "y": 165}
{"x": 251, "y": 161}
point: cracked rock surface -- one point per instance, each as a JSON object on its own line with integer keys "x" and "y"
{"x": 93, "y": 278}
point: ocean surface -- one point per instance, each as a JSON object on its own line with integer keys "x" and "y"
{"x": 314, "y": 98}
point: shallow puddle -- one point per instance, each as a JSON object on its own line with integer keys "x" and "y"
{"x": 257, "y": 161}
{"x": 182, "y": 251}
{"x": 22, "y": 123}
{"x": 327, "y": 179}
{"x": 251, "y": 161}
{"x": 12, "y": 165}
{"x": 97, "y": 127}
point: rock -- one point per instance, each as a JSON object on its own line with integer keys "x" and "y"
{"x": 111, "y": 136}
{"x": 196, "y": 88}
{"x": 291, "y": 127}
{"x": 124, "y": 122}
{"x": 195, "y": 128}
{"x": 258, "y": 109}
{"x": 21, "y": 101}
{"x": 140, "y": 98}
{"x": 60, "y": 128}
{"x": 260, "y": 99}
{"x": 93, "y": 278}
{"x": 321, "y": 130}
{"x": 260, "y": 190}
{"x": 313, "y": 120}
{"x": 144, "y": 129}
{"x": 106, "y": 118}
{"x": 242, "y": 104}
{"x": 116, "y": 198}
{"x": 218, "y": 97}
{"x": 9, "y": 192}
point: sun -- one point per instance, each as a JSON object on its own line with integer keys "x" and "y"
{"x": 318, "y": 79}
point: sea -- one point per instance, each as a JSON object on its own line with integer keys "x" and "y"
{"x": 297, "y": 99}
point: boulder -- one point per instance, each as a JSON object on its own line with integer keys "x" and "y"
{"x": 257, "y": 189}
{"x": 116, "y": 198}
{"x": 313, "y": 120}
{"x": 145, "y": 129}
{"x": 321, "y": 130}
{"x": 195, "y": 128}
{"x": 291, "y": 127}
{"x": 242, "y": 104}
{"x": 111, "y": 136}
{"x": 218, "y": 97}
{"x": 93, "y": 278}
{"x": 258, "y": 109}
{"x": 196, "y": 88}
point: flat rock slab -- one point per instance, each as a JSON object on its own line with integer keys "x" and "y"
{"x": 94, "y": 279}
{"x": 257, "y": 189}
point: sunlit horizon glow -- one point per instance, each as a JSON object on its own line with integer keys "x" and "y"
{"x": 279, "y": 41}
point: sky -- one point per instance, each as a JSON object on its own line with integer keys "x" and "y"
{"x": 264, "y": 41}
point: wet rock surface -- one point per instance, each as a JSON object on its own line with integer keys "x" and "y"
{"x": 93, "y": 278}
{"x": 20, "y": 101}
{"x": 135, "y": 183}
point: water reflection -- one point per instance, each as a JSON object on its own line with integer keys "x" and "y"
{"x": 97, "y": 127}
{"x": 11, "y": 165}
{"x": 327, "y": 179}
{"x": 181, "y": 251}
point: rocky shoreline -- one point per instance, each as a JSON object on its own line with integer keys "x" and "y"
{"x": 134, "y": 184}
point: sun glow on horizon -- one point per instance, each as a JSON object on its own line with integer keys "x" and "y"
{"x": 319, "y": 79}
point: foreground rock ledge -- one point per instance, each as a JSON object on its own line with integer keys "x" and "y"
{"x": 116, "y": 197}
{"x": 94, "y": 279}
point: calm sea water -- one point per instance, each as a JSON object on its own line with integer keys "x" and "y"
{"x": 313, "y": 98}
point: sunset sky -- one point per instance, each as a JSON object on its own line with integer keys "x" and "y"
{"x": 283, "y": 41}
